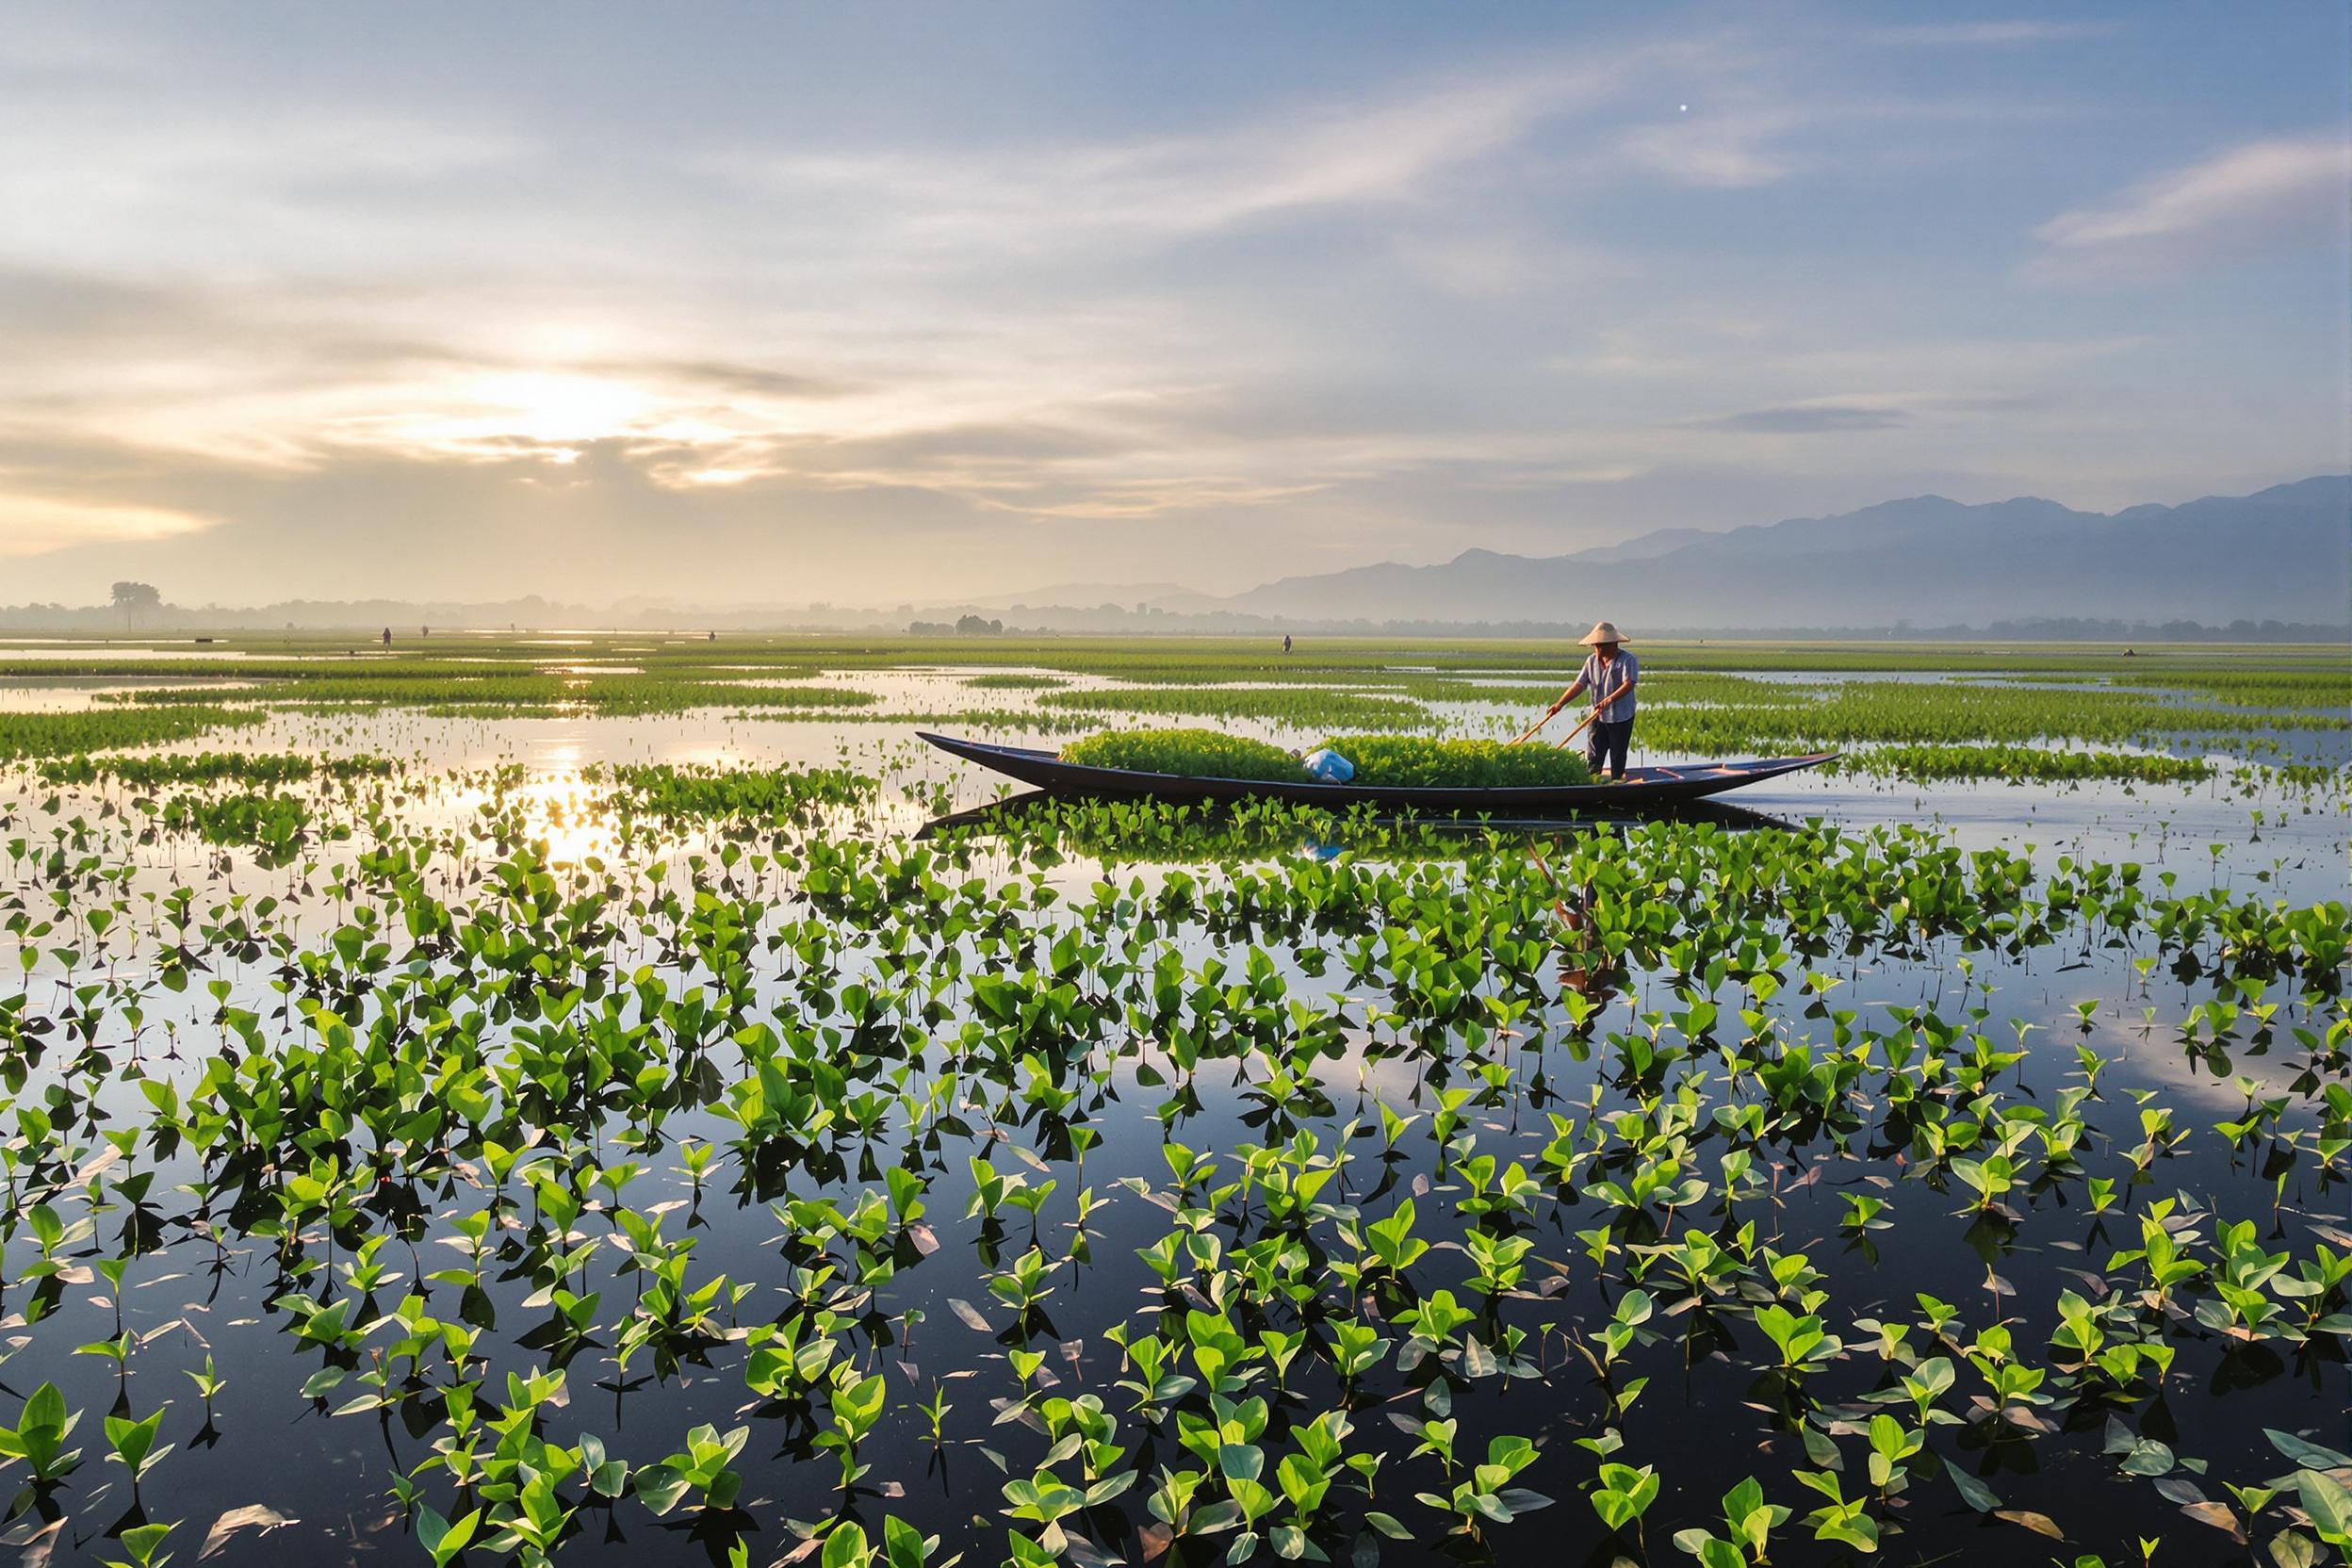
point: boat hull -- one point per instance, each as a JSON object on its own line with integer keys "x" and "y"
{"x": 1640, "y": 789}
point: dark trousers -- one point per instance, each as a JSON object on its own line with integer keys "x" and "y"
{"x": 1605, "y": 748}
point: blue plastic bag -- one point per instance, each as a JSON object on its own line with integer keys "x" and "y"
{"x": 1329, "y": 767}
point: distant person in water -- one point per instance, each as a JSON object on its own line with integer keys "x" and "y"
{"x": 1608, "y": 674}
{"x": 388, "y": 636}
{"x": 1285, "y": 642}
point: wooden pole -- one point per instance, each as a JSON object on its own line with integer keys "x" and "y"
{"x": 1622, "y": 689}
{"x": 1588, "y": 718}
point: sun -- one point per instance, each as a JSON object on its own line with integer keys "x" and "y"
{"x": 556, "y": 406}
{"x": 490, "y": 414}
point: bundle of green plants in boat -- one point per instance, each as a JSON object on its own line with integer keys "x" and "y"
{"x": 1190, "y": 753}
{"x": 1403, "y": 761}
{"x": 1387, "y": 761}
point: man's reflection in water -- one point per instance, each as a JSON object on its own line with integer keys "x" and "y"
{"x": 1585, "y": 965}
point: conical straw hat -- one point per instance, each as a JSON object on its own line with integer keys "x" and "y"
{"x": 1603, "y": 632}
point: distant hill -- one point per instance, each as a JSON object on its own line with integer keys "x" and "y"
{"x": 2274, "y": 564}
{"x": 2283, "y": 554}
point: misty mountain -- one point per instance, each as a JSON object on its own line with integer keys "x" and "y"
{"x": 2283, "y": 554}
{"x": 2275, "y": 563}
{"x": 1644, "y": 546}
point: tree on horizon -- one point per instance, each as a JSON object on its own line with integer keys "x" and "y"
{"x": 134, "y": 597}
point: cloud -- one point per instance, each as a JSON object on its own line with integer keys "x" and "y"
{"x": 2250, "y": 200}
{"x": 1384, "y": 149}
{"x": 1727, "y": 152}
{"x": 721, "y": 376}
{"x": 1745, "y": 132}
{"x": 1806, "y": 419}
{"x": 1492, "y": 263}
{"x": 35, "y": 525}
{"x": 1357, "y": 300}
{"x": 1988, "y": 32}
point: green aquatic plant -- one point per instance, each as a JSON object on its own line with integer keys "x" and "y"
{"x": 1187, "y": 753}
{"x": 144, "y": 1544}
{"x": 2022, "y": 765}
{"x": 1297, "y": 707}
{"x": 442, "y": 1539}
{"x": 1485, "y": 1496}
{"x": 1007, "y": 681}
{"x": 39, "y": 1433}
{"x": 1418, "y": 762}
{"x": 667, "y": 793}
{"x": 1623, "y": 1493}
{"x": 701, "y": 1469}
{"x": 153, "y": 771}
{"x": 460, "y": 1100}
{"x": 1748, "y": 1524}
{"x": 1843, "y": 1519}
{"x": 134, "y": 1445}
{"x": 25, "y": 735}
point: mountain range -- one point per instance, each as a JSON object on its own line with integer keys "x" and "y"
{"x": 2281, "y": 554}
{"x": 2276, "y": 563}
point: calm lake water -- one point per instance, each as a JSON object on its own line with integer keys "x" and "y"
{"x": 207, "y": 1280}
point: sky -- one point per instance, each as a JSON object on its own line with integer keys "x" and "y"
{"x": 741, "y": 304}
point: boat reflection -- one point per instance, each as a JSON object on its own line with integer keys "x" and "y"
{"x": 1129, "y": 831}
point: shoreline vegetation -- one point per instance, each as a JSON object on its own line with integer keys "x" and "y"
{"x": 2156, "y": 714}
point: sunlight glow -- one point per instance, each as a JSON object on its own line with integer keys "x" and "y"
{"x": 556, "y": 407}
{"x": 32, "y": 524}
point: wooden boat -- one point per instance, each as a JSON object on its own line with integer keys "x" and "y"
{"x": 1642, "y": 788}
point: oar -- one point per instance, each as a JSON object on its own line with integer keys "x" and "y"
{"x": 1533, "y": 728}
{"x": 1547, "y": 718}
{"x": 1613, "y": 697}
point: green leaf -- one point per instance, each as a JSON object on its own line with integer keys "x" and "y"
{"x": 1858, "y": 1529}
{"x": 2329, "y": 1504}
{"x": 1972, "y": 1492}
{"x": 44, "y": 1409}
{"x": 132, "y": 1440}
{"x": 143, "y": 1540}
{"x": 659, "y": 1487}
{"x": 441, "y": 1538}
{"x": 2310, "y": 1456}
{"x": 1852, "y": 1528}
{"x": 903, "y": 1544}
{"x": 1719, "y": 1553}
{"x": 2293, "y": 1549}
{"x": 846, "y": 1548}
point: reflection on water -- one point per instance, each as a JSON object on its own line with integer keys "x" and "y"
{"x": 916, "y": 1008}
{"x": 1208, "y": 832}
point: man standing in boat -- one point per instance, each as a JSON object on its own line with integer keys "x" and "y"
{"x": 1609, "y": 673}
